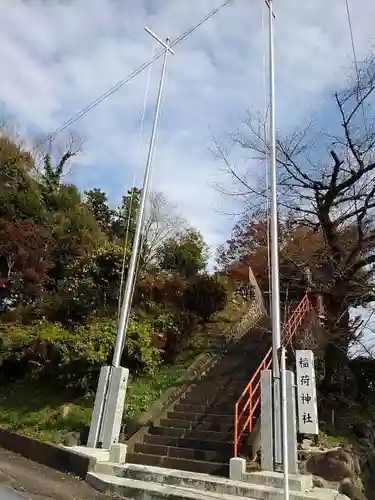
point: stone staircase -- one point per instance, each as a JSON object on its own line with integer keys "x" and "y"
{"x": 185, "y": 452}
{"x": 196, "y": 433}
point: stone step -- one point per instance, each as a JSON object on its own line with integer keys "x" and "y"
{"x": 144, "y": 490}
{"x": 215, "y": 388}
{"x": 233, "y": 364}
{"x": 161, "y": 430}
{"x": 172, "y": 477}
{"x": 220, "y": 401}
{"x": 227, "y": 375}
{"x": 200, "y": 417}
{"x": 231, "y": 357}
{"x": 231, "y": 367}
{"x": 301, "y": 483}
{"x": 229, "y": 390}
{"x": 196, "y": 444}
{"x": 261, "y": 488}
{"x": 224, "y": 409}
{"x": 184, "y": 464}
{"x": 216, "y": 426}
{"x": 219, "y": 382}
{"x": 178, "y": 452}
{"x": 207, "y": 398}
{"x": 230, "y": 361}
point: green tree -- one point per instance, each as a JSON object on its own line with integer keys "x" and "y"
{"x": 20, "y": 194}
{"x": 97, "y": 203}
{"x": 74, "y": 230}
{"x": 205, "y": 295}
{"x": 185, "y": 254}
{"x": 126, "y": 217}
{"x": 55, "y": 166}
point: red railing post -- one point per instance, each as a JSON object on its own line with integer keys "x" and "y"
{"x": 235, "y": 438}
{"x": 250, "y": 407}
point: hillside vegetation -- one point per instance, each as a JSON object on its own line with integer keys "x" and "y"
{"x": 63, "y": 260}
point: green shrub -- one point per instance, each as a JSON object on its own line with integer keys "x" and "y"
{"x": 205, "y": 295}
{"x": 160, "y": 291}
{"x": 148, "y": 291}
{"x": 72, "y": 358}
{"x": 30, "y": 350}
{"x": 140, "y": 354}
{"x": 73, "y": 305}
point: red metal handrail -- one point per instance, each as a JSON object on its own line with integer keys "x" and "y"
{"x": 243, "y": 418}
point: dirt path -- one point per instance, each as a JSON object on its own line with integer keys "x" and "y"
{"x": 38, "y": 482}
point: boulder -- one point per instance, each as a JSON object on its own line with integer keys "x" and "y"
{"x": 363, "y": 430}
{"x": 71, "y": 439}
{"x": 351, "y": 489}
{"x": 306, "y": 445}
{"x": 334, "y": 465}
{"x": 318, "y": 482}
{"x": 76, "y": 438}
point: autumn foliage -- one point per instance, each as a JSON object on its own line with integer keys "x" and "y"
{"x": 63, "y": 258}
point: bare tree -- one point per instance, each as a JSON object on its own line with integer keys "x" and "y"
{"x": 326, "y": 180}
{"x": 66, "y": 150}
{"x": 162, "y": 222}
{"x": 53, "y": 159}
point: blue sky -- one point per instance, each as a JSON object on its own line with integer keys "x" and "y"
{"x": 58, "y": 56}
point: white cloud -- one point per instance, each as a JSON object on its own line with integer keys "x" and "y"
{"x": 58, "y": 56}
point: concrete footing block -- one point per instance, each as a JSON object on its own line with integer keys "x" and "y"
{"x": 117, "y": 453}
{"x": 97, "y": 454}
{"x": 266, "y": 420}
{"x": 237, "y": 468}
{"x": 297, "y": 482}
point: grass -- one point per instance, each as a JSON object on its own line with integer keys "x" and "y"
{"x": 41, "y": 412}
{"x": 38, "y": 411}
{"x": 330, "y": 441}
{"x": 142, "y": 392}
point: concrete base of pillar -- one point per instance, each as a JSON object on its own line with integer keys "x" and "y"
{"x": 297, "y": 482}
{"x": 108, "y": 407}
{"x": 237, "y": 468}
{"x": 266, "y": 421}
{"x": 117, "y": 453}
{"x": 97, "y": 454}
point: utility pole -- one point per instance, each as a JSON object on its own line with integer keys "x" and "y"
{"x": 279, "y": 376}
{"x": 275, "y": 310}
{"x": 110, "y": 397}
{"x": 131, "y": 275}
